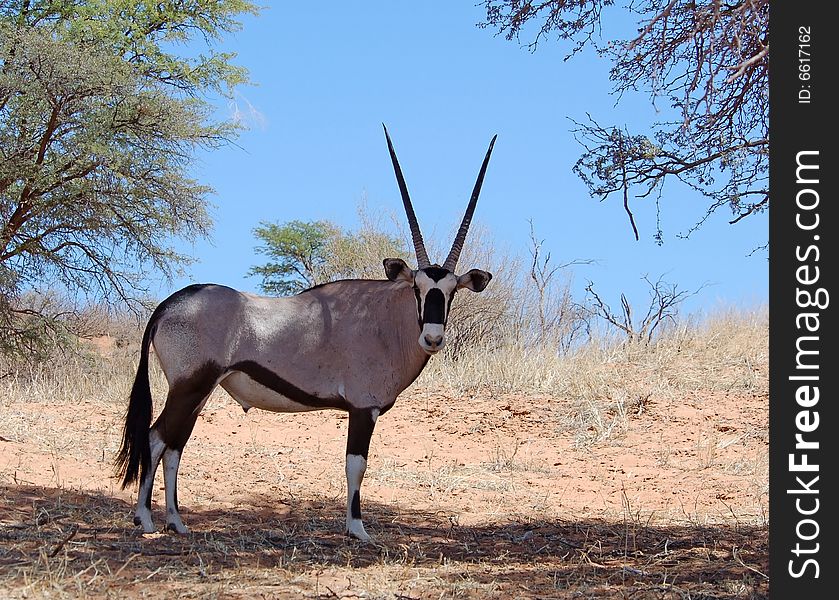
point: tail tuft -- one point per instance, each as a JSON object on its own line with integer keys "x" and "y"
{"x": 134, "y": 456}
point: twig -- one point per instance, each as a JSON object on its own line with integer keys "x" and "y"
{"x": 73, "y": 531}
{"x": 740, "y": 560}
{"x": 125, "y": 564}
{"x": 741, "y": 68}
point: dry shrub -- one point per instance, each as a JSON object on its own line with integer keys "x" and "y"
{"x": 514, "y": 309}
{"x": 607, "y": 379}
{"x": 65, "y": 543}
{"x": 358, "y": 254}
{"x": 523, "y": 334}
{"x": 475, "y": 318}
{"x": 600, "y": 384}
{"x": 725, "y": 351}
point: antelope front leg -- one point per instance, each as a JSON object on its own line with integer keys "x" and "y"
{"x": 362, "y": 422}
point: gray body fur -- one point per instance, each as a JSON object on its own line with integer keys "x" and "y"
{"x": 354, "y": 340}
{"x": 352, "y": 345}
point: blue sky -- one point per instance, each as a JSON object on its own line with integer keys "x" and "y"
{"x": 328, "y": 74}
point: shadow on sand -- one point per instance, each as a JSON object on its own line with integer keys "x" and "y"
{"x": 538, "y": 559}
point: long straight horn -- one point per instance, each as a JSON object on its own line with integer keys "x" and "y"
{"x": 416, "y": 236}
{"x": 457, "y": 246}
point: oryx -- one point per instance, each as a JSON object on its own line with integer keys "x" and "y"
{"x": 351, "y": 345}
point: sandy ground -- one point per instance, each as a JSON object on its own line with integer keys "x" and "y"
{"x": 479, "y": 496}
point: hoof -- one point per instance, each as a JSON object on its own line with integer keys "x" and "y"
{"x": 145, "y": 522}
{"x": 175, "y": 528}
{"x": 356, "y": 530}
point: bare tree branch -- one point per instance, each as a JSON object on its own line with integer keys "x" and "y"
{"x": 707, "y": 60}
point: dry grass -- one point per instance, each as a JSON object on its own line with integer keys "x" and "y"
{"x": 727, "y": 351}
{"x": 505, "y": 474}
{"x": 608, "y": 380}
{"x": 65, "y": 544}
{"x": 70, "y": 545}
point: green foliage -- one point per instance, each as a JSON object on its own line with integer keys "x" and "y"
{"x": 304, "y": 254}
{"x": 100, "y": 118}
{"x": 297, "y": 253}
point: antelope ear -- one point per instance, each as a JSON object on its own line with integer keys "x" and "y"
{"x": 397, "y": 270}
{"x": 475, "y": 280}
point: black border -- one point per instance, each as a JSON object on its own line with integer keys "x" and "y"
{"x": 796, "y": 126}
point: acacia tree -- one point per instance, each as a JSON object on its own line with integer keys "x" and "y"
{"x": 100, "y": 119}
{"x": 708, "y": 60}
{"x": 297, "y": 253}
{"x": 303, "y": 254}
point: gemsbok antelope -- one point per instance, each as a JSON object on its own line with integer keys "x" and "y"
{"x": 351, "y": 345}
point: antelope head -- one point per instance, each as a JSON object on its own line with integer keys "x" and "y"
{"x": 434, "y": 285}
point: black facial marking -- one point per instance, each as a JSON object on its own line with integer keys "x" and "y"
{"x": 272, "y": 381}
{"x": 436, "y": 273}
{"x": 434, "y": 310}
{"x": 449, "y": 303}
{"x": 419, "y": 305}
{"x": 360, "y": 430}
{"x": 355, "y": 506}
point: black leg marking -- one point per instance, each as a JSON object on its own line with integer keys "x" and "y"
{"x": 362, "y": 422}
{"x": 360, "y": 431}
{"x": 177, "y": 419}
{"x": 174, "y": 427}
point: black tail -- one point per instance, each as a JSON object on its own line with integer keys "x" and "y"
{"x": 134, "y": 456}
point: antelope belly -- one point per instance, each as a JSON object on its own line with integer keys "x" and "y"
{"x": 251, "y": 394}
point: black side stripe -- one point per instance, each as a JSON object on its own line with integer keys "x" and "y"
{"x": 272, "y": 381}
